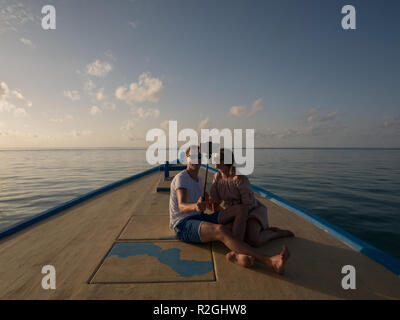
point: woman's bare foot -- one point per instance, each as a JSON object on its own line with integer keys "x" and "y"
{"x": 243, "y": 260}
{"x": 285, "y": 253}
{"x": 278, "y": 261}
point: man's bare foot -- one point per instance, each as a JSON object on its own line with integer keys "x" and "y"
{"x": 243, "y": 260}
{"x": 278, "y": 261}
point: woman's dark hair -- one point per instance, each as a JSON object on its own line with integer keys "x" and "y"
{"x": 229, "y": 154}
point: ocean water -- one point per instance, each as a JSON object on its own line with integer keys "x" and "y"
{"x": 355, "y": 189}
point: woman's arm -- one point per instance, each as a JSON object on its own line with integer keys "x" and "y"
{"x": 215, "y": 199}
{"x": 246, "y": 193}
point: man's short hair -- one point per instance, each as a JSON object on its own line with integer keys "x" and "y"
{"x": 188, "y": 150}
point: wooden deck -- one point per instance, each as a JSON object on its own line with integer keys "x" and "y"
{"x": 77, "y": 243}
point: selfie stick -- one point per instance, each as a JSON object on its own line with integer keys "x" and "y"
{"x": 205, "y": 180}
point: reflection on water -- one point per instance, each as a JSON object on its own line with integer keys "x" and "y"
{"x": 357, "y": 190}
{"x": 33, "y": 181}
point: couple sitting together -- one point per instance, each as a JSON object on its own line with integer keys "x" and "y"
{"x": 240, "y": 224}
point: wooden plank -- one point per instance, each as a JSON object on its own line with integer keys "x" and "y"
{"x": 148, "y": 227}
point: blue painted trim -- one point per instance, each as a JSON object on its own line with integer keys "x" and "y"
{"x": 177, "y": 168}
{"x": 357, "y": 244}
{"x": 48, "y": 213}
{"x": 209, "y": 168}
{"x": 173, "y": 167}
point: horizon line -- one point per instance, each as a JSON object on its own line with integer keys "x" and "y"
{"x": 25, "y": 148}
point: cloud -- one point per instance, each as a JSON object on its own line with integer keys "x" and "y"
{"x": 147, "y": 89}
{"x": 205, "y": 124}
{"x": 13, "y": 101}
{"x": 238, "y": 110}
{"x": 127, "y": 130}
{"x": 313, "y": 116}
{"x": 89, "y": 86}
{"x": 100, "y": 94}
{"x": 309, "y": 131}
{"x": 128, "y": 125}
{"x": 108, "y": 54}
{"x": 98, "y": 97}
{"x": 265, "y": 133}
{"x": 62, "y": 119}
{"x": 99, "y": 68}
{"x": 143, "y": 113}
{"x": 244, "y": 111}
{"x": 95, "y": 110}
{"x": 27, "y": 42}
{"x": 393, "y": 123}
{"x": 77, "y": 133}
{"x": 3, "y": 89}
{"x": 165, "y": 125}
{"x": 24, "y": 135}
{"x": 317, "y": 125}
{"x": 132, "y": 24}
{"x": 20, "y": 112}
{"x": 73, "y": 95}
{"x": 107, "y": 105}
{"x": 14, "y": 16}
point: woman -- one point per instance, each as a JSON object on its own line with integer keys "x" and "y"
{"x": 235, "y": 189}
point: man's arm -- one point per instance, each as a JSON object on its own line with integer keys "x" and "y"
{"x": 185, "y": 207}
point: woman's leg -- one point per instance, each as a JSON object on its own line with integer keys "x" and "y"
{"x": 237, "y": 215}
{"x": 218, "y": 232}
{"x": 257, "y": 236}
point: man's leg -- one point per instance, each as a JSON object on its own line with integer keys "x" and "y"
{"x": 237, "y": 215}
{"x": 218, "y": 232}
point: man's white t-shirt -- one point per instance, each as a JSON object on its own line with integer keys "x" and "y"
{"x": 194, "y": 190}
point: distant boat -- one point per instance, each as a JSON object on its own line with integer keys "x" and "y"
{"x": 114, "y": 243}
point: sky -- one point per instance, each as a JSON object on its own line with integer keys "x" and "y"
{"x": 112, "y": 70}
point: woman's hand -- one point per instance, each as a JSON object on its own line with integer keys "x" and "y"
{"x": 215, "y": 206}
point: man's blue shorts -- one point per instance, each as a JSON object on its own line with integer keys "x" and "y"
{"x": 187, "y": 230}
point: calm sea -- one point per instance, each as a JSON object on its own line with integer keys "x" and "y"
{"x": 355, "y": 189}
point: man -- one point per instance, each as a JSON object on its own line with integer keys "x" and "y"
{"x": 191, "y": 225}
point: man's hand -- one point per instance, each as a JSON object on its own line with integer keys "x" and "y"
{"x": 200, "y": 205}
